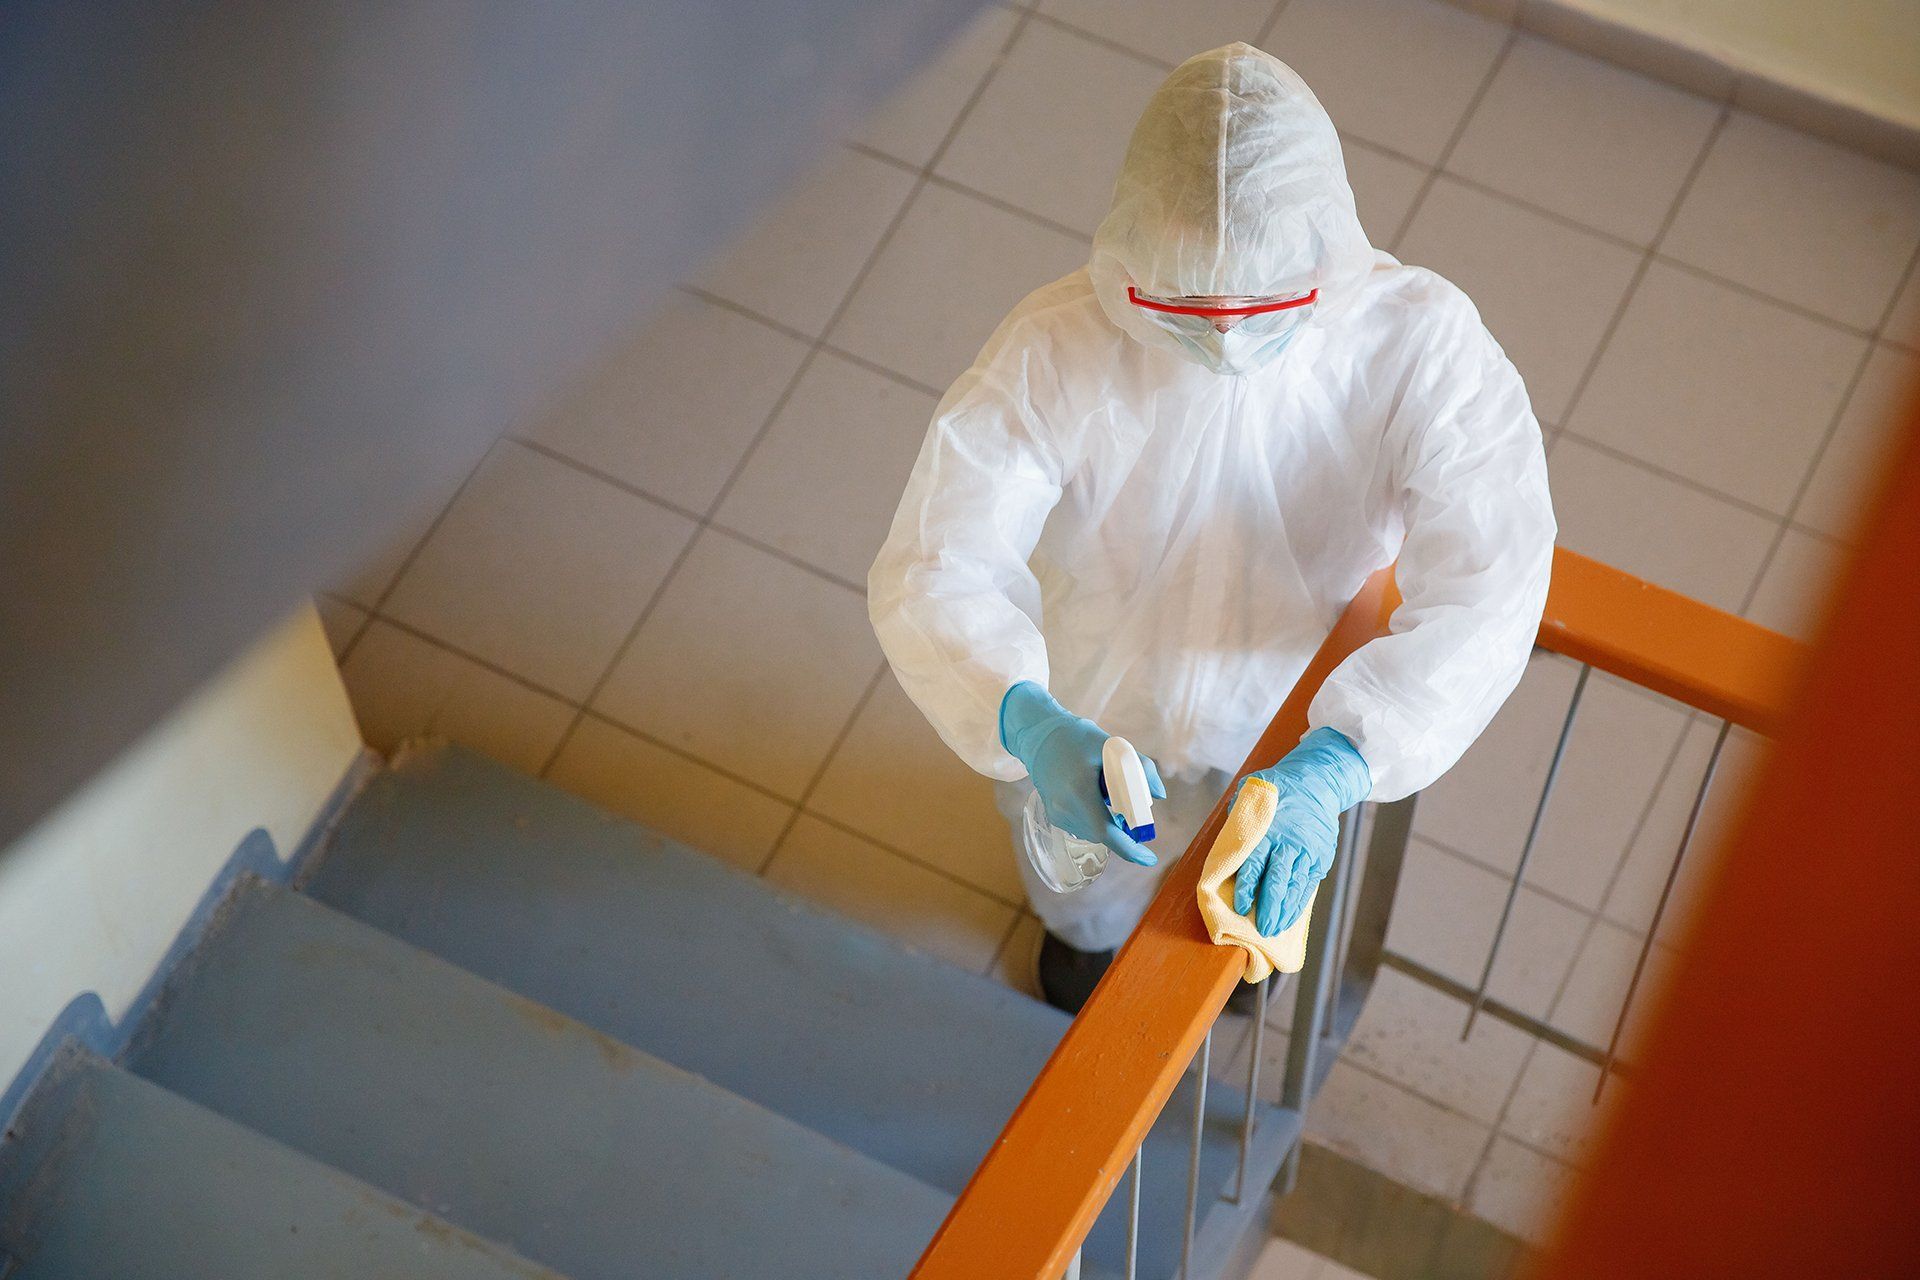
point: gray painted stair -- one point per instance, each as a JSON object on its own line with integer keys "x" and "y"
{"x": 107, "y": 1175}
{"x": 508, "y": 1118}
{"x": 893, "y": 1053}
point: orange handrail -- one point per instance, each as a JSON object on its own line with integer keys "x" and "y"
{"x": 1694, "y": 653}
{"x": 1037, "y": 1193}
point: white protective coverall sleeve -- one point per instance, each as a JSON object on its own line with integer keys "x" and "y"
{"x": 1472, "y": 571}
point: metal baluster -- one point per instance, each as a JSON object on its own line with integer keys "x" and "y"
{"x": 1133, "y": 1217}
{"x": 1526, "y": 850}
{"x": 1660, "y": 907}
{"x": 1193, "y": 1156}
{"x": 1253, "y": 1082}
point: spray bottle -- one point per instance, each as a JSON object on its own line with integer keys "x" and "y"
{"x": 1067, "y": 864}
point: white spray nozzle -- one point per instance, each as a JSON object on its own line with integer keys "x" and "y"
{"x": 1124, "y": 779}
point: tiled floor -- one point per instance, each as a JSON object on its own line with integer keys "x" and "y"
{"x": 654, "y": 593}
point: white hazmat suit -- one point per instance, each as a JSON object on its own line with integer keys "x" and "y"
{"x": 1162, "y": 542}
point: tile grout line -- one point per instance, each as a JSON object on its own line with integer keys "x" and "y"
{"x": 746, "y": 454}
{"x": 709, "y": 523}
{"x": 1640, "y": 273}
{"x": 819, "y": 342}
{"x": 1273, "y": 20}
{"x": 1104, "y": 42}
{"x": 1655, "y": 469}
{"x": 841, "y": 825}
{"x": 1664, "y": 259}
{"x": 359, "y": 629}
{"x": 1020, "y": 916}
{"x": 851, "y": 357}
{"x": 702, "y": 523}
{"x": 1453, "y": 139}
{"x": 670, "y": 748}
{"x": 433, "y": 526}
{"x": 1874, "y": 338}
{"x": 1382, "y": 1077}
{"x": 620, "y": 652}
{"x": 486, "y": 664}
{"x": 1633, "y": 837}
{"x": 1007, "y": 206}
{"x": 1495, "y": 1133}
{"x": 820, "y": 771}
{"x": 1505, "y": 873}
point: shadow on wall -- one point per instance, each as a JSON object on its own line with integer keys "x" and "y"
{"x": 85, "y": 1018}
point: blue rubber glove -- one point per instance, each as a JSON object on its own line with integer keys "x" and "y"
{"x": 1318, "y": 780}
{"x": 1062, "y": 755}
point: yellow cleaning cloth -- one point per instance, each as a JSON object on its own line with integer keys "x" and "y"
{"x": 1246, "y": 823}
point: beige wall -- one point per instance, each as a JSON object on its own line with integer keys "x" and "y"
{"x": 91, "y": 899}
{"x": 1862, "y": 53}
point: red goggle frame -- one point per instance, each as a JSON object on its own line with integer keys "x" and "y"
{"x": 1139, "y": 299}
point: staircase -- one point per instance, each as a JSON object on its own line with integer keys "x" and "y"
{"x": 499, "y": 1032}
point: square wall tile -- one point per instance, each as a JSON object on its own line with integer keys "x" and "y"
{"x": 1636, "y": 893}
{"x": 1444, "y": 917}
{"x": 797, "y": 261}
{"x": 403, "y": 687}
{"x": 748, "y": 662}
{"x": 1520, "y": 1190}
{"x": 1410, "y": 1033}
{"x": 342, "y": 622}
{"x": 685, "y": 801}
{"x": 1718, "y": 386}
{"x": 1656, "y": 528}
{"x": 540, "y": 569}
{"x": 1049, "y": 132}
{"x": 1795, "y": 587}
{"x": 1585, "y": 139}
{"x": 1842, "y": 485}
{"x": 1481, "y": 806}
{"x": 1546, "y": 290}
{"x": 1553, "y": 1110}
{"x": 917, "y": 118}
{"x": 1597, "y": 988}
{"x": 896, "y": 781}
{"x": 951, "y": 272}
{"x": 824, "y": 481}
{"x": 653, "y": 415}
{"x": 1400, "y": 73}
{"x": 1170, "y": 32}
{"x": 915, "y": 906}
{"x": 1620, "y": 744}
{"x": 1800, "y": 219}
{"x": 1384, "y": 189}
{"x": 371, "y": 579}
{"x": 1284, "y": 1260}
{"x": 1395, "y": 1132}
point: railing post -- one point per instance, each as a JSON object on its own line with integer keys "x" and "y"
{"x": 1304, "y": 1069}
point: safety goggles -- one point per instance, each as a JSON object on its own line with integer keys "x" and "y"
{"x": 1255, "y": 317}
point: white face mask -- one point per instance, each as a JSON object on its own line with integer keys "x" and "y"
{"x": 1234, "y": 352}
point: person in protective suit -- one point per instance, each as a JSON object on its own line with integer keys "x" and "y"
{"x": 1141, "y": 510}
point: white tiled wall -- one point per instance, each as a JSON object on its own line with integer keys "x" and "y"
{"x": 654, "y": 593}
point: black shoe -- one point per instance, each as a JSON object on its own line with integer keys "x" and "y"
{"x": 1067, "y": 977}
